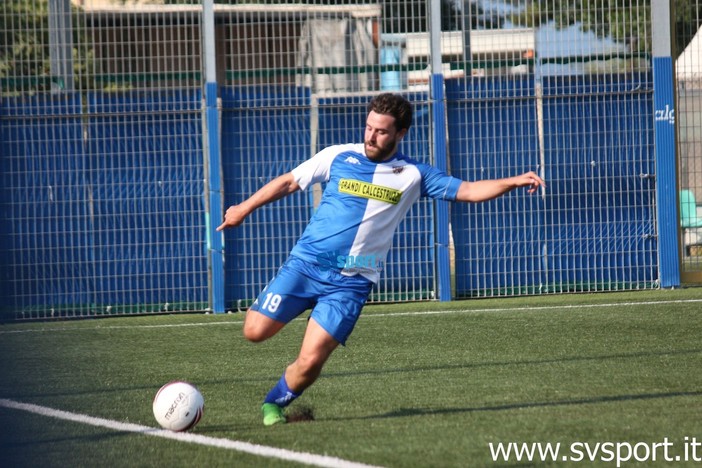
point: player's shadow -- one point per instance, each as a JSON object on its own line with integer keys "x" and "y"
{"x": 526, "y": 362}
{"x": 405, "y": 412}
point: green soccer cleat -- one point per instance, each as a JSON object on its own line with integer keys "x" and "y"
{"x": 272, "y": 414}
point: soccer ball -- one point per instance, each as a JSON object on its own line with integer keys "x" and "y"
{"x": 178, "y": 406}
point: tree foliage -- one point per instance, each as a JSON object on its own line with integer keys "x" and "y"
{"x": 619, "y": 19}
{"x": 25, "y": 48}
{"x": 25, "y": 59}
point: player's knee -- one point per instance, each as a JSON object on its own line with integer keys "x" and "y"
{"x": 254, "y": 333}
{"x": 258, "y": 327}
{"x": 253, "y": 336}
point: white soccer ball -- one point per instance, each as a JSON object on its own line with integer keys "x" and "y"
{"x": 178, "y": 406}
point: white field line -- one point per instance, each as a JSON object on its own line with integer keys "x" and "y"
{"x": 534, "y": 308}
{"x": 371, "y": 315}
{"x": 246, "y": 447}
{"x": 119, "y": 327}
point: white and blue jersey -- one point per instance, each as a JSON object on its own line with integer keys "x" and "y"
{"x": 362, "y": 205}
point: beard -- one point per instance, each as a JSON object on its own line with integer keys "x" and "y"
{"x": 379, "y": 153}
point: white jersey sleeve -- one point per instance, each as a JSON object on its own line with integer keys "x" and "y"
{"x": 317, "y": 168}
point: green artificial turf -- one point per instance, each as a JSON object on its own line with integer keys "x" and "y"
{"x": 420, "y": 384}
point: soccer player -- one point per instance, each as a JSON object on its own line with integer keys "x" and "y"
{"x": 370, "y": 187}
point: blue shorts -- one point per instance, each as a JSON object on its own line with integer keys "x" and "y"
{"x": 336, "y": 300}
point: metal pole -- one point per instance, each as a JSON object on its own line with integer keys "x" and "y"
{"x": 438, "y": 143}
{"x": 61, "y": 45}
{"x": 664, "y": 145}
{"x": 212, "y": 162}
{"x": 467, "y": 26}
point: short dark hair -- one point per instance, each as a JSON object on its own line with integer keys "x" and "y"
{"x": 394, "y": 105}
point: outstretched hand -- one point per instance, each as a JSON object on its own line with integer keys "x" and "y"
{"x": 529, "y": 179}
{"x": 234, "y": 216}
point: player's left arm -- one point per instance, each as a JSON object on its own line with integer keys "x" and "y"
{"x": 280, "y": 187}
{"x": 483, "y": 190}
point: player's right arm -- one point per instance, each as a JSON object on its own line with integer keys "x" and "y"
{"x": 276, "y": 189}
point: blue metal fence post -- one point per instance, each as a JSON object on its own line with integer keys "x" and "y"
{"x": 441, "y": 222}
{"x": 213, "y": 164}
{"x": 438, "y": 141}
{"x": 664, "y": 146}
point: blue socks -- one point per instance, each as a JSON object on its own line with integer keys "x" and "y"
{"x": 281, "y": 395}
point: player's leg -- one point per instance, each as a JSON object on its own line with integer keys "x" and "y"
{"x": 317, "y": 346}
{"x": 259, "y": 327}
{"x": 331, "y": 322}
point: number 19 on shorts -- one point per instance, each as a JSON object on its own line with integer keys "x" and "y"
{"x": 271, "y": 302}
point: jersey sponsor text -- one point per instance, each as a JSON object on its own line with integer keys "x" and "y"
{"x": 372, "y": 191}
